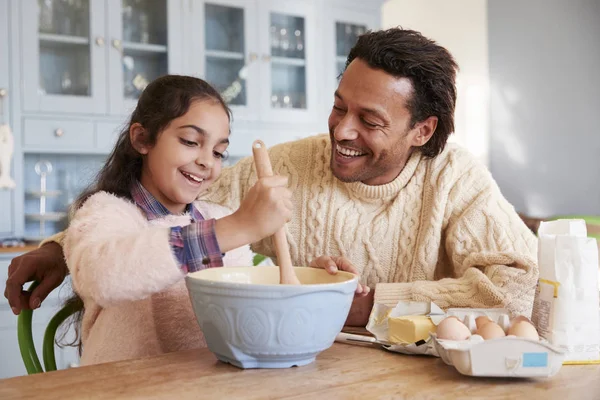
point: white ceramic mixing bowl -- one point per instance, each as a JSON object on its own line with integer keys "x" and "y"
{"x": 251, "y": 321}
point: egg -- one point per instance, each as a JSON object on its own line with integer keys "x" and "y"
{"x": 523, "y": 329}
{"x": 520, "y": 318}
{"x": 452, "y": 329}
{"x": 490, "y": 330}
{"x": 482, "y": 320}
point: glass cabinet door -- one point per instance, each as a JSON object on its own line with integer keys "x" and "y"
{"x": 144, "y": 46}
{"x": 290, "y": 50}
{"x": 140, "y": 36}
{"x": 288, "y": 61}
{"x": 228, "y": 60}
{"x": 64, "y": 64}
{"x": 346, "y": 35}
{"x": 225, "y": 52}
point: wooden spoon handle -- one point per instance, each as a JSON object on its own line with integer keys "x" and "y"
{"x": 282, "y": 249}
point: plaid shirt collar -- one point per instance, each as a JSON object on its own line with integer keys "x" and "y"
{"x": 153, "y": 208}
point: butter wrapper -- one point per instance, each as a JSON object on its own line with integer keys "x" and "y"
{"x": 378, "y": 325}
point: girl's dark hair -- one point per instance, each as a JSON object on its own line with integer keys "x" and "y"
{"x": 164, "y": 99}
{"x": 430, "y": 68}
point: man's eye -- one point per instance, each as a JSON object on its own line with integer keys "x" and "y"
{"x": 188, "y": 143}
{"x": 369, "y": 125}
{"x": 338, "y": 109}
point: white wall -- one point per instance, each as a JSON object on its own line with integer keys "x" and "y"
{"x": 463, "y": 30}
{"x": 544, "y": 58}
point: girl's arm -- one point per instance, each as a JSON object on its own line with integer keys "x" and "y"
{"x": 114, "y": 255}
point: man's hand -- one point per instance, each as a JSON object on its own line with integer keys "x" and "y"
{"x": 333, "y": 264}
{"x": 46, "y": 265}
{"x": 364, "y": 297}
{"x": 361, "y": 310}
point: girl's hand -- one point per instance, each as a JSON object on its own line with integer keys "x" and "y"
{"x": 266, "y": 207}
{"x": 332, "y": 264}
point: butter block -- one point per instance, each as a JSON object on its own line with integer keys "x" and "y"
{"x": 409, "y": 329}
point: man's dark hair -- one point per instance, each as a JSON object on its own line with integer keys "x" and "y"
{"x": 430, "y": 68}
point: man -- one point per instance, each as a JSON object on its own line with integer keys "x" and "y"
{"x": 420, "y": 221}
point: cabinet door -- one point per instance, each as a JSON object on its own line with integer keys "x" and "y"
{"x": 229, "y": 53}
{"x": 6, "y": 198}
{"x": 145, "y": 43}
{"x": 63, "y": 55}
{"x": 288, "y": 60}
{"x": 343, "y": 29}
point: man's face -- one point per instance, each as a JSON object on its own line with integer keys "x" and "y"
{"x": 369, "y": 126}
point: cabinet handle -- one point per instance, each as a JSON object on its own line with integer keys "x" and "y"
{"x": 117, "y": 45}
{"x": 59, "y": 132}
{"x": 100, "y": 41}
{"x": 266, "y": 57}
{"x": 253, "y": 57}
{"x": 3, "y": 93}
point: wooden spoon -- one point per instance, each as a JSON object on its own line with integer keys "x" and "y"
{"x": 282, "y": 249}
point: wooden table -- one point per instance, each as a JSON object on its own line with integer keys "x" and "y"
{"x": 342, "y": 372}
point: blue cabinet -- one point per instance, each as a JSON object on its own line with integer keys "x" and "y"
{"x": 95, "y": 57}
{"x": 6, "y": 195}
{"x": 78, "y": 67}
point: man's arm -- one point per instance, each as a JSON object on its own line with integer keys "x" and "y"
{"x": 46, "y": 265}
{"x": 492, "y": 252}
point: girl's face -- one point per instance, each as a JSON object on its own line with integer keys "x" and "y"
{"x": 187, "y": 156}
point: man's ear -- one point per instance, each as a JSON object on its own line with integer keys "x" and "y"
{"x": 425, "y": 130}
{"x": 138, "y": 138}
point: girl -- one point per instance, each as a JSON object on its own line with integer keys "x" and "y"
{"x": 138, "y": 231}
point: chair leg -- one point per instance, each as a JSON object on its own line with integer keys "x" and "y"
{"x": 50, "y": 334}
{"x": 26, "y": 344}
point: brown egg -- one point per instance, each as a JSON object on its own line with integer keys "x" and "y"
{"x": 482, "y": 320}
{"x": 520, "y": 318}
{"x": 523, "y": 329}
{"x": 452, "y": 329}
{"x": 491, "y": 330}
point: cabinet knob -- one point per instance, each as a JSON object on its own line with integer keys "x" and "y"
{"x": 117, "y": 44}
{"x": 100, "y": 41}
{"x": 253, "y": 57}
{"x": 59, "y": 132}
{"x": 266, "y": 57}
{"x": 3, "y": 92}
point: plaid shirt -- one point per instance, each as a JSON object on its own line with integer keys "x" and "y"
{"x": 195, "y": 245}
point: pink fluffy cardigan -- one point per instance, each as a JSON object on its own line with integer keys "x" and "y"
{"x": 122, "y": 266}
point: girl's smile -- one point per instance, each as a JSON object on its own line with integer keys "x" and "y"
{"x": 187, "y": 156}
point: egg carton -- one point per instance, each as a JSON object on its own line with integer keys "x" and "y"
{"x": 509, "y": 356}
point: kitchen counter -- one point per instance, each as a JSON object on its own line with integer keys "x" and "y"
{"x": 17, "y": 250}
{"x": 343, "y": 371}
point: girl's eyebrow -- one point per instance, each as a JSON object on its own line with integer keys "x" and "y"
{"x": 202, "y": 132}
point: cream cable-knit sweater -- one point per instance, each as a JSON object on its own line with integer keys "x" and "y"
{"x": 441, "y": 231}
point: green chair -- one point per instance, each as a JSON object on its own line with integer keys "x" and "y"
{"x": 25, "y": 337}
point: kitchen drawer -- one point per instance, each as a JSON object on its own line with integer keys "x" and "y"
{"x": 107, "y": 134}
{"x": 58, "y": 134}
